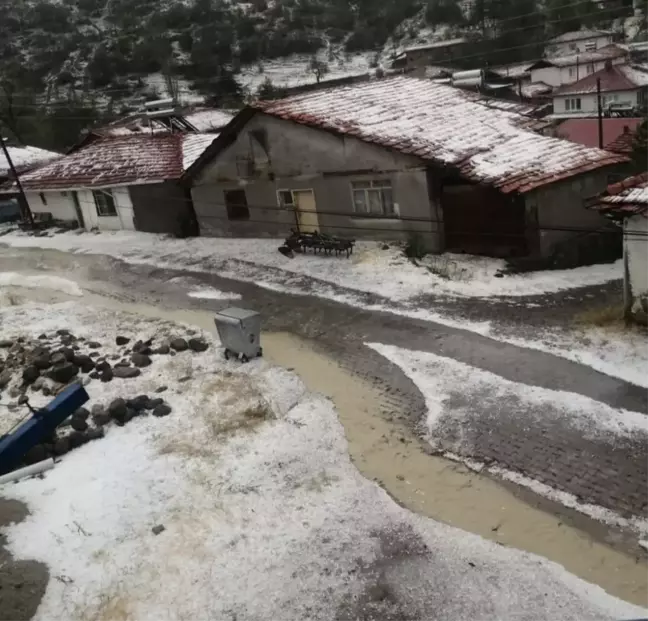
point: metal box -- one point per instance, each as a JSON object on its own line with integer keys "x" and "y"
{"x": 240, "y": 332}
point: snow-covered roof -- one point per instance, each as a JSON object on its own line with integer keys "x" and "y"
{"x": 580, "y": 35}
{"x": 614, "y": 78}
{"x": 448, "y": 126}
{"x": 535, "y": 89}
{"x": 24, "y": 158}
{"x": 516, "y": 70}
{"x": 109, "y": 161}
{"x": 209, "y": 119}
{"x": 605, "y": 53}
{"x": 628, "y": 197}
{"x": 436, "y": 45}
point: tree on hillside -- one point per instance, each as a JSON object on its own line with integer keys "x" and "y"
{"x": 318, "y": 68}
{"x": 443, "y": 12}
{"x": 640, "y": 148}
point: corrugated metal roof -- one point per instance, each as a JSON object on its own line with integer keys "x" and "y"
{"x": 448, "y": 126}
{"x": 120, "y": 160}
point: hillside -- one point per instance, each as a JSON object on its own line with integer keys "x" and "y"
{"x": 65, "y": 64}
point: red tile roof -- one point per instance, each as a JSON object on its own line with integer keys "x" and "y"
{"x": 120, "y": 160}
{"x": 628, "y": 197}
{"x": 444, "y": 125}
{"x": 614, "y": 78}
{"x": 616, "y": 132}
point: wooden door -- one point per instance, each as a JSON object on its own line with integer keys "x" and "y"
{"x": 306, "y": 211}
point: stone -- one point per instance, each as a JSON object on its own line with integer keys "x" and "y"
{"x": 93, "y": 345}
{"x": 162, "y": 410}
{"x": 69, "y": 353}
{"x": 123, "y": 363}
{"x": 95, "y": 433}
{"x": 5, "y": 378}
{"x": 138, "y": 403}
{"x": 76, "y": 439}
{"x": 62, "y": 332}
{"x": 15, "y": 393}
{"x": 198, "y": 345}
{"x": 81, "y": 412}
{"x": 94, "y": 354}
{"x": 42, "y": 337}
{"x": 46, "y": 391}
{"x": 153, "y": 403}
{"x": 63, "y": 373}
{"x": 6, "y": 343}
{"x": 122, "y": 340}
{"x": 39, "y": 382}
{"x": 185, "y": 378}
{"x": 140, "y": 360}
{"x": 126, "y": 372}
{"x": 156, "y": 530}
{"x": 130, "y": 414}
{"x": 78, "y": 424}
{"x": 137, "y": 346}
{"x": 94, "y": 375}
{"x": 23, "y": 399}
{"x": 61, "y": 446}
{"x": 30, "y": 374}
{"x": 161, "y": 389}
{"x": 179, "y": 344}
{"x": 35, "y": 454}
{"x": 42, "y": 362}
{"x": 102, "y": 366}
{"x": 107, "y": 376}
{"x": 58, "y": 358}
{"x": 84, "y": 362}
{"x": 118, "y": 409}
{"x": 101, "y": 418}
{"x": 162, "y": 349}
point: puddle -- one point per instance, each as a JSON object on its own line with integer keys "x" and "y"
{"x": 391, "y": 455}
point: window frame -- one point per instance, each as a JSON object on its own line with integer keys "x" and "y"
{"x": 280, "y": 202}
{"x": 374, "y": 185}
{"x": 107, "y": 199}
{"x": 573, "y": 104}
{"x": 232, "y": 208}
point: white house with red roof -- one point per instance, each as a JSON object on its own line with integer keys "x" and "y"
{"x": 119, "y": 182}
{"x": 395, "y": 157}
{"x": 624, "y": 89}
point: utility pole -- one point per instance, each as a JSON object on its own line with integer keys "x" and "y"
{"x": 600, "y": 112}
{"x": 22, "y": 199}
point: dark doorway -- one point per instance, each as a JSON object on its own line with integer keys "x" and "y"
{"x": 480, "y": 220}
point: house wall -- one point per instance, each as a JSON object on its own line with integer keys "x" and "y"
{"x": 636, "y": 253}
{"x": 573, "y": 47}
{"x": 59, "y": 204}
{"x": 557, "y": 76}
{"x": 161, "y": 207}
{"x": 301, "y": 157}
{"x": 589, "y": 102}
{"x": 123, "y": 205}
{"x": 560, "y": 206}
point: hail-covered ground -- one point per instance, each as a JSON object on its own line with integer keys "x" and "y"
{"x": 242, "y": 503}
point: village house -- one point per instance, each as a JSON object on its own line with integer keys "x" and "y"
{"x": 627, "y": 203}
{"x": 432, "y": 53}
{"x": 559, "y": 70}
{"x": 579, "y": 41}
{"x": 398, "y": 157}
{"x": 119, "y": 182}
{"x": 624, "y": 90}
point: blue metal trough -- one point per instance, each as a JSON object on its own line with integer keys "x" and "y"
{"x": 40, "y": 426}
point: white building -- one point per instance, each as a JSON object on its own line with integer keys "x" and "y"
{"x": 624, "y": 88}
{"x": 118, "y": 182}
{"x": 561, "y": 70}
{"x": 578, "y": 41}
{"x": 627, "y": 203}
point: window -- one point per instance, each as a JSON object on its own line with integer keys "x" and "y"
{"x": 572, "y": 72}
{"x": 42, "y": 197}
{"x": 104, "y": 202}
{"x": 236, "y": 204}
{"x": 590, "y": 46}
{"x": 373, "y": 198}
{"x": 285, "y": 198}
{"x": 573, "y": 104}
{"x": 590, "y": 68}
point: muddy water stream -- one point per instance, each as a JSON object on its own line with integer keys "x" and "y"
{"x": 393, "y": 456}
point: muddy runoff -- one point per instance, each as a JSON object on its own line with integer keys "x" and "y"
{"x": 393, "y": 456}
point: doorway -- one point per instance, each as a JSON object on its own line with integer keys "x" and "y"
{"x": 77, "y": 209}
{"x": 306, "y": 211}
